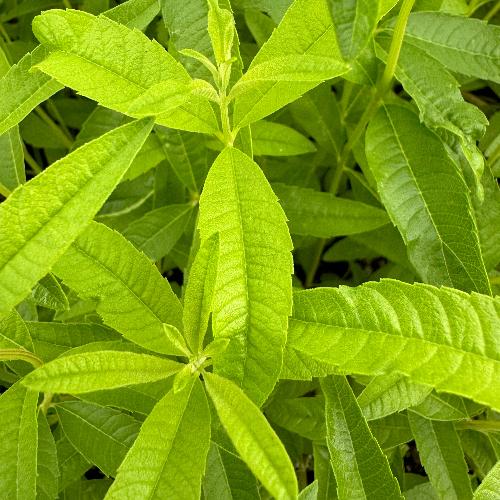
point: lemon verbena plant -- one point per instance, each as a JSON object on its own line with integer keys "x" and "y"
{"x": 249, "y": 249}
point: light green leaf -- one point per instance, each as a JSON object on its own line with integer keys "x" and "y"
{"x": 253, "y": 437}
{"x": 199, "y": 293}
{"x": 238, "y": 203}
{"x": 479, "y": 450}
{"x": 133, "y": 296}
{"x": 56, "y": 205}
{"x": 442, "y": 338}
{"x": 464, "y": 45}
{"x": 102, "y": 435}
{"x": 94, "y": 371}
{"x": 324, "y": 215}
{"x": 386, "y": 394}
{"x": 47, "y": 484}
{"x": 175, "y": 437}
{"x": 442, "y": 457}
{"x": 442, "y": 406}
{"x": 427, "y": 198}
{"x": 71, "y": 463}
{"x": 134, "y": 13}
{"x": 310, "y": 492}
{"x": 48, "y": 293}
{"x": 276, "y": 139}
{"x": 157, "y": 232}
{"x": 11, "y": 161}
{"x": 14, "y": 333}
{"x": 489, "y": 488}
{"x": 23, "y": 89}
{"x": 18, "y": 443}
{"x": 300, "y": 54}
{"x": 221, "y": 30}
{"x": 361, "y": 468}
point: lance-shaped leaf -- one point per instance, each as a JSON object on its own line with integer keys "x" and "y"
{"x": 94, "y": 371}
{"x": 253, "y": 437}
{"x": 442, "y": 456}
{"x": 427, "y": 198}
{"x": 112, "y": 64}
{"x": 198, "y": 297}
{"x": 464, "y": 45}
{"x": 221, "y": 30}
{"x": 439, "y": 337}
{"x": 157, "y": 232}
{"x": 133, "y": 296}
{"x": 253, "y": 290}
{"x": 23, "y": 89}
{"x": 361, "y": 468}
{"x": 102, "y": 435}
{"x": 324, "y": 215}
{"x": 168, "y": 457}
{"x": 134, "y": 13}
{"x": 14, "y": 333}
{"x": 300, "y": 54}
{"x": 276, "y": 139}
{"x": 490, "y": 486}
{"x": 40, "y": 219}
{"x": 48, "y": 293}
{"x": 18, "y": 443}
{"x": 47, "y": 466}
{"x": 11, "y": 161}
{"x": 71, "y": 463}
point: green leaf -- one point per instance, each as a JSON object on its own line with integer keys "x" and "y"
{"x": 276, "y": 139}
{"x": 134, "y": 13}
{"x": 71, "y": 463}
{"x": 253, "y": 437}
{"x": 427, "y": 198}
{"x": 221, "y": 30}
{"x": 361, "y": 468}
{"x": 23, "y": 89}
{"x": 48, "y": 293}
{"x": 102, "y": 435}
{"x": 199, "y": 293}
{"x": 47, "y": 484}
{"x": 464, "y": 45}
{"x": 310, "y": 492}
{"x": 14, "y": 333}
{"x": 324, "y": 215}
{"x": 238, "y": 203}
{"x": 438, "y": 337}
{"x": 300, "y": 54}
{"x": 386, "y": 394}
{"x": 11, "y": 161}
{"x": 442, "y": 406}
{"x": 18, "y": 443}
{"x": 490, "y": 486}
{"x": 442, "y": 456}
{"x": 175, "y": 437}
{"x": 157, "y": 232}
{"x": 56, "y": 205}
{"x": 133, "y": 296}
{"x": 94, "y": 371}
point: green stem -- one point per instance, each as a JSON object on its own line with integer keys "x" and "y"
{"x": 46, "y": 403}
{"x": 22, "y": 355}
{"x": 493, "y": 12}
{"x": 67, "y": 141}
{"x": 31, "y": 161}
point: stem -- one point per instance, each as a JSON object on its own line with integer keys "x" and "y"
{"x": 67, "y": 4}
{"x": 302, "y": 473}
{"x": 493, "y": 12}
{"x": 31, "y": 161}
{"x": 67, "y": 141}
{"x": 22, "y": 355}
{"x": 46, "y": 403}
{"x": 5, "y": 35}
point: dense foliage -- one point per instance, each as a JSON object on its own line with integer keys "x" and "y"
{"x": 249, "y": 249}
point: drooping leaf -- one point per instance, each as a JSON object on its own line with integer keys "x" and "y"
{"x": 464, "y": 45}
{"x": 18, "y": 443}
{"x": 361, "y": 468}
{"x": 94, "y": 371}
{"x": 253, "y": 437}
{"x": 436, "y": 223}
{"x": 442, "y": 456}
{"x": 403, "y": 331}
{"x": 238, "y": 203}
{"x": 175, "y": 437}
{"x": 48, "y": 293}
{"x": 324, "y": 215}
{"x": 102, "y": 435}
{"x": 133, "y": 297}
{"x": 56, "y": 205}
{"x": 300, "y": 54}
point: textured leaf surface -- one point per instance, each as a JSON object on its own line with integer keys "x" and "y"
{"x": 18, "y": 443}
{"x": 47, "y": 467}
{"x": 168, "y": 457}
{"x": 48, "y": 293}
{"x": 11, "y": 161}
{"x": 70, "y": 462}
{"x": 436, "y": 223}
{"x": 134, "y": 13}
{"x": 14, "y": 333}
{"x": 95, "y": 371}
{"x": 238, "y": 203}
{"x": 361, "y": 468}
{"x": 40, "y": 219}
{"x": 324, "y": 215}
{"x": 300, "y": 54}
{"x": 489, "y": 488}
{"x": 102, "y": 435}
{"x": 253, "y": 437}
{"x": 442, "y": 456}
{"x": 464, "y": 45}
{"x": 442, "y": 338}
{"x": 133, "y": 296}
{"x": 22, "y": 90}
